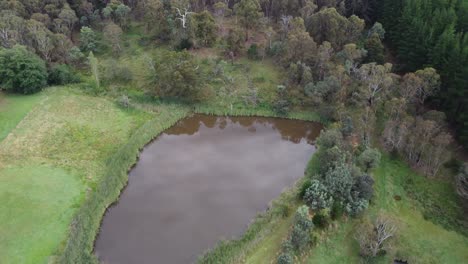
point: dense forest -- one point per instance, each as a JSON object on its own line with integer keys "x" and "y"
{"x": 433, "y": 33}
{"x": 388, "y": 78}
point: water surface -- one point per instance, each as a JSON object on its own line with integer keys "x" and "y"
{"x": 201, "y": 181}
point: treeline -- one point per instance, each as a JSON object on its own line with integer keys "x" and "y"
{"x": 433, "y": 33}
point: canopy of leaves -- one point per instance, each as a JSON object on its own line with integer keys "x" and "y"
{"x": 21, "y": 71}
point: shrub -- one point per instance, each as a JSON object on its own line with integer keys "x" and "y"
{"x": 363, "y": 187}
{"x": 300, "y": 235}
{"x": 88, "y": 40}
{"x": 75, "y": 56}
{"x": 302, "y": 190}
{"x": 321, "y": 219}
{"x": 21, "y": 71}
{"x": 115, "y": 72}
{"x": 124, "y": 101}
{"x": 277, "y": 48}
{"x": 369, "y": 159}
{"x": 299, "y": 238}
{"x": 184, "y": 44}
{"x": 330, "y": 138}
{"x": 317, "y": 196}
{"x": 175, "y": 74}
{"x": 252, "y": 52}
{"x": 336, "y": 210}
{"x": 356, "y": 207}
{"x": 329, "y": 158}
{"x": 347, "y": 127}
{"x": 281, "y": 107}
{"x": 287, "y": 246}
{"x": 285, "y": 258}
{"x": 61, "y": 74}
{"x": 339, "y": 182}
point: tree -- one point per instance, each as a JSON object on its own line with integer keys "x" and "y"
{"x": 61, "y": 74}
{"x": 249, "y": 13}
{"x": 300, "y": 45}
{"x": 41, "y": 39}
{"x": 330, "y": 138}
{"x": 68, "y": 16}
{"x": 323, "y": 91}
{"x": 329, "y": 25}
{"x": 174, "y": 74}
{"x": 374, "y": 237}
{"x": 377, "y": 79}
{"x": 113, "y": 34}
{"x": 234, "y": 42}
{"x": 369, "y": 158}
{"x": 88, "y": 39}
{"x": 378, "y": 29}
{"x": 205, "y": 28}
{"x": 154, "y": 18}
{"x": 322, "y": 63}
{"x": 430, "y": 84}
{"x": 375, "y": 49}
{"x": 21, "y": 71}
{"x": 121, "y": 12}
{"x": 11, "y": 29}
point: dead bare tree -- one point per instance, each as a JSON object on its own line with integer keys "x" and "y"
{"x": 183, "y": 17}
{"x": 373, "y": 237}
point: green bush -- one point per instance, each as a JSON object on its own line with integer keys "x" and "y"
{"x": 363, "y": 187}
{"x": 337, "y": 211}
{"x": 281, "y": 107}
{"x": 61, "y": 74}
{"x": 317, "y": 196}
{"x": 369, "y": 159}
{"x": 252, "y": 52}
{"x": 285, "y": 258}
{"x": 321, "y": 219}
{"x": 21, "y": 71}
{"x": 300, "y": 235}
{"x": 302, "y": 190}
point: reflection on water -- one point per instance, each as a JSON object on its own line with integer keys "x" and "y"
{"x": 202, "y": 180}
{"x": 292, "y": 130}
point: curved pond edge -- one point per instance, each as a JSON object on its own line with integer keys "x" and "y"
{"x": 79, "y": 246}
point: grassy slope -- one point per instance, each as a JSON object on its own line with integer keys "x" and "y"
{"x": 56, "y": 153}
{"x": 419, "y": 240}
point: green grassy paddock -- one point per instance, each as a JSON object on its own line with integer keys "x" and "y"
{"x": 50, "y": 162}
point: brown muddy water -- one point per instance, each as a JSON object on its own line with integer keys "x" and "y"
{"x": 201, "y": 181}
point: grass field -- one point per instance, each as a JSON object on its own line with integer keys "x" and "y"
{"x": 49, "y": 159}
{"x": 13, "y": 108}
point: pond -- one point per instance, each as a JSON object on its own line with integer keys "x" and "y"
{"x": 201, "y": 181}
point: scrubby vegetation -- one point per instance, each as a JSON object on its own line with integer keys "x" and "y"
{"x": 374, "y": 72}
